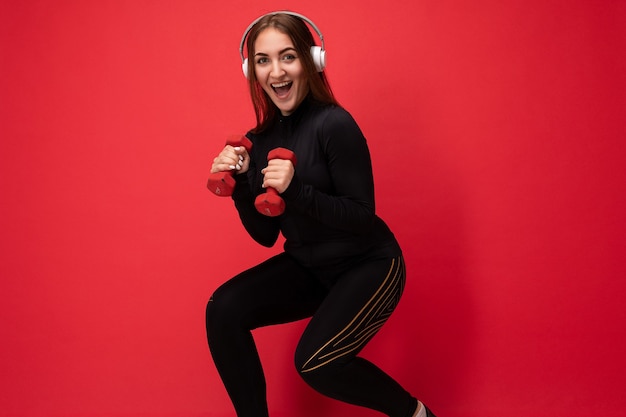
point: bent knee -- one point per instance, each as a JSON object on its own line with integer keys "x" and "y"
{"x": 218, "y": 308}
{"x": 221, "y": 300}
{"x": 320, "y": 379}
{"x": 228, "y": 306}
{"x": 315, "y": 373}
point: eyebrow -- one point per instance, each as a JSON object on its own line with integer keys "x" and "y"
{"x": 289, "y": 48}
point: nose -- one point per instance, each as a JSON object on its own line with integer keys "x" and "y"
{"x": 277, "y": 69}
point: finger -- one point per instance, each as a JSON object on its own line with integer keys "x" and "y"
{"x": 228, "y": 157}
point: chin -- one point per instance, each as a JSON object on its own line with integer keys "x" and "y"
{"x": 285, "y": 108}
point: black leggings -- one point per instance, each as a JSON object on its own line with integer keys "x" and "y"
{"x": 347, "y": 305}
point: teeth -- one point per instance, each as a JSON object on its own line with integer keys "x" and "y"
{"x": 283, "y": 84}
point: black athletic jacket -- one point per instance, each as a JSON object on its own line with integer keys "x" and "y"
{"x": 330, "y": 211}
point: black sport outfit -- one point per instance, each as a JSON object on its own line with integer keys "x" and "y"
{"x": 341, "y": 266}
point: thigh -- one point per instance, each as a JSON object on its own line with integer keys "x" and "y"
{"x": 356, "y": 307}
{"x": 276, "y": 291}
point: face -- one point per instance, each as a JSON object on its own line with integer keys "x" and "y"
{"x": 279, "y": 70}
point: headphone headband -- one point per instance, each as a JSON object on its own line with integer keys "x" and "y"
{"x": 319, "y": 53}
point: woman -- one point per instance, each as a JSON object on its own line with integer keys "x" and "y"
{"x": 341, "y": 264}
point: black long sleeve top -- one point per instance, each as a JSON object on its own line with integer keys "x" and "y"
{"x": 330, "y": 211}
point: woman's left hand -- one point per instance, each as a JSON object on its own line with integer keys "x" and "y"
{"x": 278, "y": 174}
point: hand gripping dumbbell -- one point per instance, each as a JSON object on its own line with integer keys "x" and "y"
{"x": 270, "y": 203}
{"x": 222, "y": 183}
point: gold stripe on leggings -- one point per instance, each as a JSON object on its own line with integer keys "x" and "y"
{"x": 366, "y": 323}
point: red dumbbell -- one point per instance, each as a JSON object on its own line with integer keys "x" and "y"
{"x": 270, "y": 203}
{"x": 222, "y": 183}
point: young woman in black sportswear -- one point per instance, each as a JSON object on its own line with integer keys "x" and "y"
{"x": 341, "y": 265}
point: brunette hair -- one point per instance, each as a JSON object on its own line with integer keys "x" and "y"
{"x": 301, "y": 36}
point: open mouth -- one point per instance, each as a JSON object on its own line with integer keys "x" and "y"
{"x": 282, "y": 89}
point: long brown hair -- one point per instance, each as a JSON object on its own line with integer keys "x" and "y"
{"x": 301, "y": 36}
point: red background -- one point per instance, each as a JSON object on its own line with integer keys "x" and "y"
{"x": 497, "y": 134}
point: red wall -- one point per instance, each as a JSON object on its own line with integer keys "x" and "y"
{"x": 498, "y": 138}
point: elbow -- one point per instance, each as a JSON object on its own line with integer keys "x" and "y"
{"x": 265, "y": 239}
{"x": 266, "y": 243}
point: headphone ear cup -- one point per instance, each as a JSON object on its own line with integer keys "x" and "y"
{"x": 319, "y": 58}
{"x": 244, "y": 68}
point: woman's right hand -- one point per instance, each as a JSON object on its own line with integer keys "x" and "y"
{"x": 232, "y": 158}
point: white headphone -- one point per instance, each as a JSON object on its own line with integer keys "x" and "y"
{"x": 318, "y": 53}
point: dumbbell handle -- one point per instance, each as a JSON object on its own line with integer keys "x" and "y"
{"x": 270, "y": 203}
{"x": 222, "y": 183}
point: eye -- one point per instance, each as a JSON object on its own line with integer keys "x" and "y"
{"x": 289, "y": 57}
{"x": 262, "y": 60}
